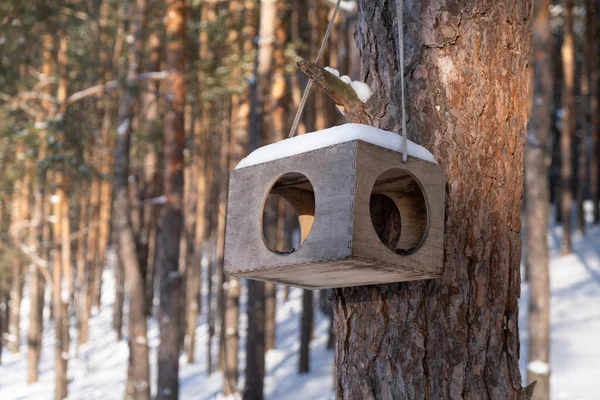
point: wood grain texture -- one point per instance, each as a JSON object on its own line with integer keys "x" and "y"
{"x": 341, "y": 248}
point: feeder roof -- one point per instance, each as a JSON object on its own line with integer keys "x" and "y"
{"x": 332, "y": 136}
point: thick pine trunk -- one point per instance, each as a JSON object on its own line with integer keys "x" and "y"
{"x": 537, "y": 202}
{"x": 172, "y": 211}
{"x": 568, "y": 127}
{"x": 457, "y": 336}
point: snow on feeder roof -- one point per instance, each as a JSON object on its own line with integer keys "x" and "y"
{"x": 332, "y": 136}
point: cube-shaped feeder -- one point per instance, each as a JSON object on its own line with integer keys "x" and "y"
{"x": 365, "y": 218}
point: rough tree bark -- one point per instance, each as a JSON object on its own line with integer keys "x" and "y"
{"x": 537, "y": 201}
{"x": 138, "y": 374}
{"x": 568, "y": 127}
{"x": 172, "y": 212}
{"x": 457, "y": 336}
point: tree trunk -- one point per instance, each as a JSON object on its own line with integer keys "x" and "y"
{"x": 172, "y": 216}
{"x": 106, "y": 162}
{"x": 537, "y": 202}
{"x": 568, "y": 127}
{"x": 583, "y": 163}
{"x": 255, "y": 342}
{"x": 456, "y": 336}
{"x": 138, "y": 375}
{"x": 201, "y": 150}
{"x": 37, "y": 284}
{"x": 14, "y": 320}
{"x": 60, "y": 292}
{"x": 306, "y": 328}
{"x": 239, "y": 145}
{"x": 117, "y": 322}
{"x": 62, "y": 254}
{"x": 592, "y": 28}
{"x": 2, "y": 319}
{"x": 223, "y": 189}
{"x": 18, "y": 224}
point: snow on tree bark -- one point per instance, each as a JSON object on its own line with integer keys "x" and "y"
{"x": 467, "y": 83}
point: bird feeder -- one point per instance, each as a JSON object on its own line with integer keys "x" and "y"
{"x": 365, "y": 217}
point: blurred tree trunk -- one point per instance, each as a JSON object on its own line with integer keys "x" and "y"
{"x": 2, "y": 319}
{"x": 62, "y": 254}
{"x": 583, "y": 162}
{"x": 138, "y": 376}
{"x": 18, "y": 225}
{"x": 107, "y": 162}
{"x": 223, "y": 189}
{"x": 37, "y": 284}
{"x": 201, "y": 149}
{"x": 276, "y": 112}
{"x": 151, "y": 125}
{"x": 229, "y": 329}
{"x": 592, "y": 35}
{"x": 454, "y": 337}
{"x": 81, "y": 260}
{"x": 306, "y": 330}
{"x": 207, "y": 55}
{"x": 568, "y": 126}
{"x": 240, "y": 145}
{"x": 256, "y": 340}
{"x": 82, "y": 242}
{"x": 117, "y": 322}
{"x": 172, "y": 216}
{"x": 537, "y": 202}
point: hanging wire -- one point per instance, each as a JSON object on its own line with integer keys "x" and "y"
{"x": 400, "y": 15}
{"x": 309, "y": 84}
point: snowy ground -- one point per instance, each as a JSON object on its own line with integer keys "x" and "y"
{"x": 575, "y": 318}
{"x": 99, "y": 371}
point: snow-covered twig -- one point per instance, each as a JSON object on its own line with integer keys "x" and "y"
{"x": 342, "y": 93}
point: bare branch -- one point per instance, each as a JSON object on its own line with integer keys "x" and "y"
{"x": 112, "y": 86}
{"x": 27, "y": 251}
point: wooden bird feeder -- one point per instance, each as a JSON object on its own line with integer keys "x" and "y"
{"x": 365, "y": 218}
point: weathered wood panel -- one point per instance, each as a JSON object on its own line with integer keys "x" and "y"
{"x": 341, "y": 247}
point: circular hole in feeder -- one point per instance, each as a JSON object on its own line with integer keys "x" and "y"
{"x": 398, "y": 211}
{"x": 288, "y": 213}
